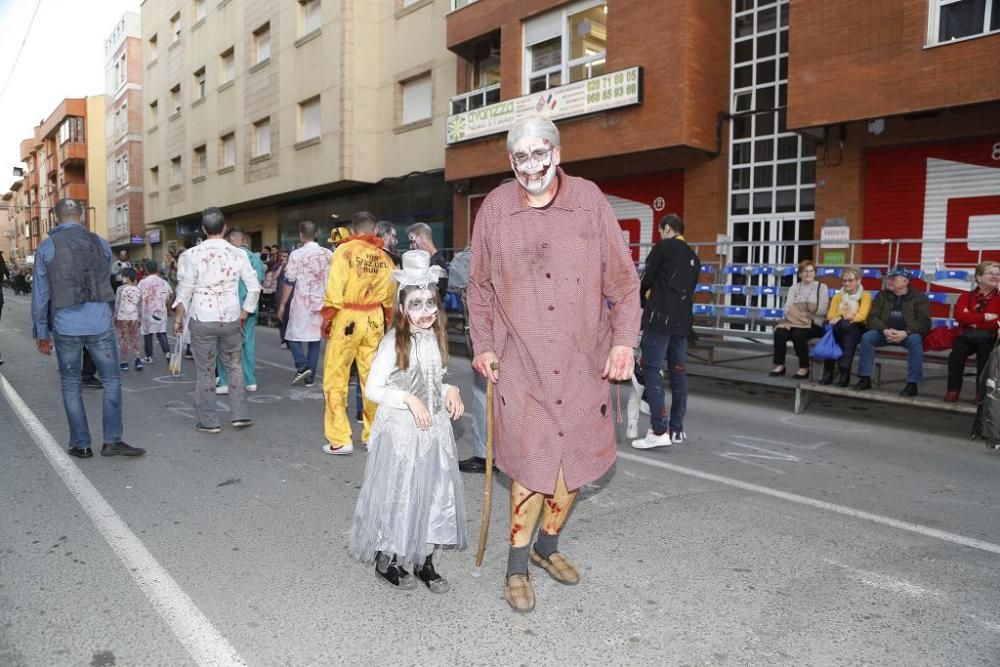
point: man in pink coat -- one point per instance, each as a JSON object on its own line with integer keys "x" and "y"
{"x": 554, "y": 301}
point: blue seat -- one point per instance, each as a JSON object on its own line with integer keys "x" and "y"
{"x": 704, "y": 288}
{"x": 944, "y": 322}
{"x": 916, "y": 274}
{"x": 827, "y": 271}
{"x": 762, "y": 270}
{"x": 735, "y": 289}
{"x": 937, "y": 297}
{"x": 789, "y": 271}
{"x": 736, "y": 311}
{"x": 736, "y": 269}
{"x": 769, "y": 290}
{"x": 704, "y": 309}
{"x": 831, "y": 291}
{"x": 871, "y": 273}
{"x": 771, "y": 313}
{"x": 452, "y": 302}
{"x": 707, "y": 268}
{"x": 951, "y": 275}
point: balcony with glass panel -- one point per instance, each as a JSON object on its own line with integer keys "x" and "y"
{"x": 475, "y": 99}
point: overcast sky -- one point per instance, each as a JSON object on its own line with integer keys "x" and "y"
{"x": 63, "y": 57}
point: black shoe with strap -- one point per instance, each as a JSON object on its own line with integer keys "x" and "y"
{"x": 432, "y": 580}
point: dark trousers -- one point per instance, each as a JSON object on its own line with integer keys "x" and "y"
{"x": 964, "y": 346}
{"x": 161, "y": 337}
{"x": 847, "y": 334}
{"x": 800, "y": 341}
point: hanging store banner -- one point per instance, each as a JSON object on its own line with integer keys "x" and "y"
{"x": 608, "y": 91}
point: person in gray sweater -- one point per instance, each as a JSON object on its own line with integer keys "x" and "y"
{"x": 805, "y": 308}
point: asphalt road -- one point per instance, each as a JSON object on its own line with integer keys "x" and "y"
{"x": 853, "y": 534}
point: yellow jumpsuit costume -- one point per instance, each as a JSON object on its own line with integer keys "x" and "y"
{"x": 357, "y": 304}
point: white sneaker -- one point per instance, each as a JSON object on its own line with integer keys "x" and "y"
{"x": 632, "y": 431}
{"x": 222, "y": 389}
{"x": 342, "y": 449}
{"x": 678, "y": 437}
{"x": 251, "y": 387}
{"x": 652, "y": 440}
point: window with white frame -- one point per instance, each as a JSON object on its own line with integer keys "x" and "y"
{"x": 122, "y": 70}
{"x": 262, "y": 137}
{"x": 175, "y": 99}
{"x": 123, "y": 181}
{"x": 565, "y": 45}
{"x": 118, "y": 172}
{"x": 309, "y": 16}
{"x": 227, "y": 66}
{"x": 199, "y": 162}
{"x": 175, "y": 28}
{"x": 176, "y": 173}
{"x": 956, "y": 19}
{"x": 122, "y": 120}
{"x": 416, "y": 99}
{"x": 262, "y": 43}
{"x": 484, "y": 76}
{"x": 199, "y": 10}
{"x": 227, "y": 150}
{"x": 199, "y": 84}
{"x": 309, "y": 119}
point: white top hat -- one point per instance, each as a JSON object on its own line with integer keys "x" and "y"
{"x": 417, "y": 270}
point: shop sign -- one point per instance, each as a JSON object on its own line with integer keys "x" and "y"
{"x": 153, "y": 236}
{"x": 835, "y": 234}
{"x": 608, "y": 91}
{"x": 138, "y": 240}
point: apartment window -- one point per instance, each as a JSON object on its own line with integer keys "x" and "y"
{"x": 484, "y": 76}
{"x": 416, "y": 94}
{"x": 227, "y": 66}
{"x": 154, "y": 48}
{"x": 309, "y": 16}
{"x": 117, "y": 176}
{"x": 262, "y": 43}
{"x": 955, "y": 19}
{"x": 566, "y": 45}
{"x": 154, "y": 179}
{"x": 175, "y": 28}
{"x": 199, "y": 84}
{"x": 71, "y": 130}
{"x": 176, "y": 174}
{"x": 154, "y": 112}
{"x": 309, "y": 119}
{"x": 121, "y": 119}
{"x": 199, "y": 10}
{"x": 199, "y": 162}
{"x": 262, "y": 137}
{"x": 227, "y": 150}
{"x": 122, "y": 70}
{"x": 175, "y": 98}
{"x": 123, "y": 179}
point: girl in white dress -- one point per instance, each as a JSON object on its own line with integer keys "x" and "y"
{"x": 411, "y": 499}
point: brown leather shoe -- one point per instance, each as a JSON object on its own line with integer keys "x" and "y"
{"x": 519, "y": 594}
{"x": 558, "y": 567}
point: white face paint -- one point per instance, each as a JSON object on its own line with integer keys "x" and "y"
{"x": 421, "y": 307}
{"x": 534, "y": 162}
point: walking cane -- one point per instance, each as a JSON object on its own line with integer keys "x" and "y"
{"x": 484, "y": 525}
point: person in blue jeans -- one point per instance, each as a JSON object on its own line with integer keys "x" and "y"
{"x": 668, "y": 283}
{"x": 73, "y": 283}
{"x": 899, "y": 316}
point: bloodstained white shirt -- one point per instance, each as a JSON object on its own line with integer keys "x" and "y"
{"x": 307, "y": 268}
{"x": 207, "y": 279}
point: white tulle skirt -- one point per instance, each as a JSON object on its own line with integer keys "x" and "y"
{"x": 412, "y": 497}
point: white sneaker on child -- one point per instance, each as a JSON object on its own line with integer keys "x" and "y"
{"x": 340, "y": 449}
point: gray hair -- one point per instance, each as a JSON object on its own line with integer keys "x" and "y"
{"x": 384, "y": 227}
{"x": 68, "y": 209}
{"x": 213, "y": 221}
{"x": 421, "y": 229}
{"x": 307, "y": 229}
{"x": 532, "y": 126}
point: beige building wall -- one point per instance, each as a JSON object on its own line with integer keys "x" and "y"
{"x": 354, "y": 62}
{"x": 97, "y": 185}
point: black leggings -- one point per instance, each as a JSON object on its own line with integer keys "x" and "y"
{"x": 800, "y": 341}
{"x": 981, "y": 346}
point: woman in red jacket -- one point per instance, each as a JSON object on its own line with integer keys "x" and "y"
{"x": 977, "y": 313}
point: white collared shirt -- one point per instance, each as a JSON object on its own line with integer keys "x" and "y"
{"x": 207, "y": 280}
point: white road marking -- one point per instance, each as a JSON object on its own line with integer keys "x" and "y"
{"x": 789, "y": 420}
{"x": 767, "y": 454}
{"x": 907, "y": 526}
{"x": 781, "y": 443}
{"x": 194, "y": 630}
{"x": 886, "y": 583}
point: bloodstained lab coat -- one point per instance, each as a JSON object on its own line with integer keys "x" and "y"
{"x": 550, "y": 291}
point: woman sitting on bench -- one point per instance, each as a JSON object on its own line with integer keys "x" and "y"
{"x": 977, "y": 312}
{"x": 848, "y": 311}
{"x": 805, "y": 309}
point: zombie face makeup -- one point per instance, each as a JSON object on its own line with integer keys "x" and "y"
{"x": 421, "y": 308}
{"x": 534, "y": 161}
{"x": 414, "y": 242}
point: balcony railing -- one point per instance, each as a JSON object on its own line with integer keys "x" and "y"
{"x": 51, "y": 164}
{"x": 475, "y": 99}
{"x": 74, "y": 191}
{"x": 70, "y": 152}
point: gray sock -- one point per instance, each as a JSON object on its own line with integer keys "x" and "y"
{"x": 517, "y": 560}
{"x": 545, "y": 544}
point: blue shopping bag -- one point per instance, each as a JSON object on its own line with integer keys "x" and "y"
{"x": 827, "y": 349}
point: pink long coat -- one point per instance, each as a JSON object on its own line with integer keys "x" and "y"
{"x": 539, "y": 287}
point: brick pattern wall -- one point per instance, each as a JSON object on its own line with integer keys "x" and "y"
{"x": 262, "y": 91}
{"x": 855, "y": 59}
